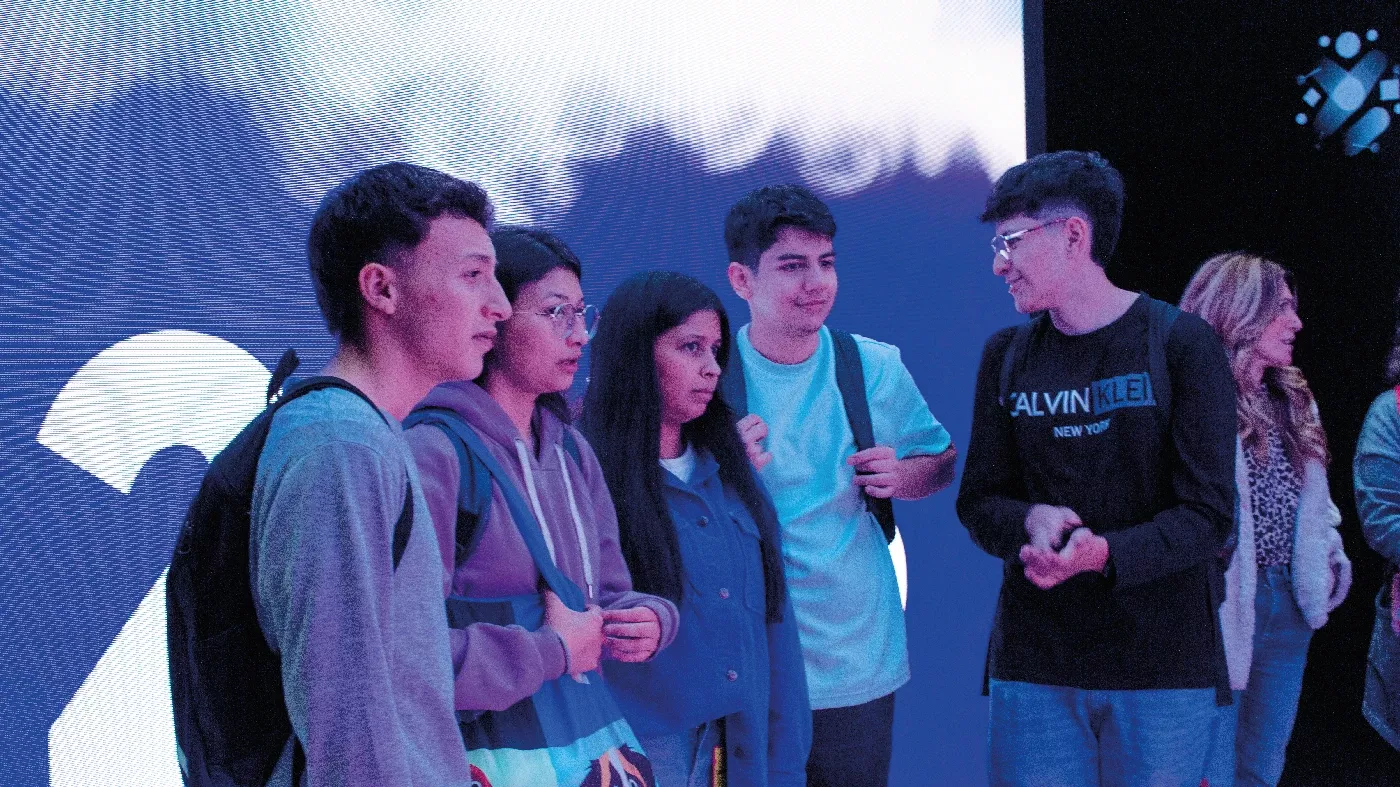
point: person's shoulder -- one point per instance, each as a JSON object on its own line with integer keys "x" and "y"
{"x": 1383, "y": 408}
{"x": 330, "y": 421}
{"x": 1000, "y": 339}
{"x": 874, "y": 351}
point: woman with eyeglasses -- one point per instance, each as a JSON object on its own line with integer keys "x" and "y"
{"x": 1288, "y": 570}
{"x": 729, "y": 696}
{"x": 517, "y": 412}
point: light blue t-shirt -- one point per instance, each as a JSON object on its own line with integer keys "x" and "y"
{"x": 839, "y": 571}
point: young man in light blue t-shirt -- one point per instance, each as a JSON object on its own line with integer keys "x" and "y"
{"x": 839, "y": 571}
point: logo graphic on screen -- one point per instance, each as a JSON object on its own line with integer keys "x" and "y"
{"x": 1350, "y": 94}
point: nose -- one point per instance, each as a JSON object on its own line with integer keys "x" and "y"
{"x": 578, "y": 335}
{"x": 711, "y": 368}
{"x": 1296, "y": 321}
{"x": 1001, "y": 265}
{"x": 497, "y": 306}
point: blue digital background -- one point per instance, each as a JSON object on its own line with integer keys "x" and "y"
{"x": 164, "y": 208}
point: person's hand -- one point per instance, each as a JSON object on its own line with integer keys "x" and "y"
{"x": 752, "y": 431}
{"x": 632, "y": 634}
{"x": 875, "y": 470}
{"x": 1047, "y": 525}
{"x": 582, "y": 632}
{"x": 1083, "y": 552}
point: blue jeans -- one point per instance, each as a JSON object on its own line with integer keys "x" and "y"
{"x": 676, "y": 759}
{"x": 1252, "y": 735}
{"x": 1056, "y": 736}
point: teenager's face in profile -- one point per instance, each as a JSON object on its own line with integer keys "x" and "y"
{"x": 450, "y": 299}
{"x": 534, "y": 352}
{"x": 1035, "y": 268}
{"x": 686, "y": 367}
{"x": 795, "y": 285}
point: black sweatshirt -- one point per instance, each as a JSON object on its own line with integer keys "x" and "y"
{"x": 1080, "y": 428}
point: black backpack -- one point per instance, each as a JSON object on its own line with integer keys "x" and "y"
{"x": 850, "y": 381}
{"x": 231, "y": 722}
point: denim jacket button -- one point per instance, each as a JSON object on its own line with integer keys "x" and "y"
{"x": 732, "y": 675}
{"x": 702, "y": 521}
{"x": 724, "y": 592}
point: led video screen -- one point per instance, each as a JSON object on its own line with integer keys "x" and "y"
{"x": 160, "y": 162}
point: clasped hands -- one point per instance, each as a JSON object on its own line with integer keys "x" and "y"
{"x": 1050, "y": 558}
{"x": 629, "y": 635}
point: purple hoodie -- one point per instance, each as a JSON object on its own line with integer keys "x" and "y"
{"x": 497, "y": 666}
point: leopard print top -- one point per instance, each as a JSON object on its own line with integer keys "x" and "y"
{"x": 1273, "y": 497}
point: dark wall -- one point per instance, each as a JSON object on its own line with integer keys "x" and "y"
{"x": 1195, "y": 102}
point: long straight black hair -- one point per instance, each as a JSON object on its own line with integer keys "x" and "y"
{"x": 622, "y": 421}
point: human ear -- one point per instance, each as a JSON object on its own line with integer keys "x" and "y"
{"x": 740, "y": 278}
{"x": 379, "y": 288}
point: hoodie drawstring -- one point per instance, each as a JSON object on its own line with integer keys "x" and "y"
{"x": 578, "y": 523}
{"x": 523, "y": 453}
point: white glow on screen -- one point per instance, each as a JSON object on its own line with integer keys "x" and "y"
{"x": 517, "y": 95}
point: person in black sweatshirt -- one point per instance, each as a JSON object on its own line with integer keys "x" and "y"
{"x": 1101, "y": 471}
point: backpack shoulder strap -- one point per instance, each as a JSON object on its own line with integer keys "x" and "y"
{"x": 1014, "y": 351}
{"x": 474, "y": 486}
{"x": 458, "y": 430}
{"x": 732, "y": 386}
{"x": 1161, "y": 316}
{"x": 571, "y": 446}
{"x": 850, "y": 382}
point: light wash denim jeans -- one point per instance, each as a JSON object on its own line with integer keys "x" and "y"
{"x": 1056, "y": 736}
{"x": 675, "y": 758}
{"x": 1252, "y": 735}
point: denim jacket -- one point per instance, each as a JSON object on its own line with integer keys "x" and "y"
{"x": 1377, "y": 476}
{"x": 727, "y": 661}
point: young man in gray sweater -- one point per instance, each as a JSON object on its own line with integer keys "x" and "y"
{"x": 403, "y": 270}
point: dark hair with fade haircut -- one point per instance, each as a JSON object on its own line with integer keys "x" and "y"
{"x": 525, "y": 255}
{"x": 622, "y": 421}
{"x": 753, "y": 223}
{"x": 372, "y": 216}
{"x": 1064, "y": 180}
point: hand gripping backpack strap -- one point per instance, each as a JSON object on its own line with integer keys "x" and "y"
{"x": 850, "y": 381}
{"x": 473, "y": 450}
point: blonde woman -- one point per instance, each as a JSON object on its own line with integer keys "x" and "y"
{"x": 1288, "y": 570}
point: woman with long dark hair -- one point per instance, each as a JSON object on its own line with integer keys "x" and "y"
{"x": 519, "y": 503}
{"x": 1288, "y": 570}
{"x": 696, "y": 527}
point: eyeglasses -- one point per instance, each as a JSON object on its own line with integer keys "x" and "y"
{"x": 1001, "y": 244}
{"x": 565, "y": 316}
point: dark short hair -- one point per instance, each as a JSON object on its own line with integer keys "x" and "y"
{"x": 753, "y": 223}
{"x": 1064, "y": 180}
{"x": 369, "y": 218}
